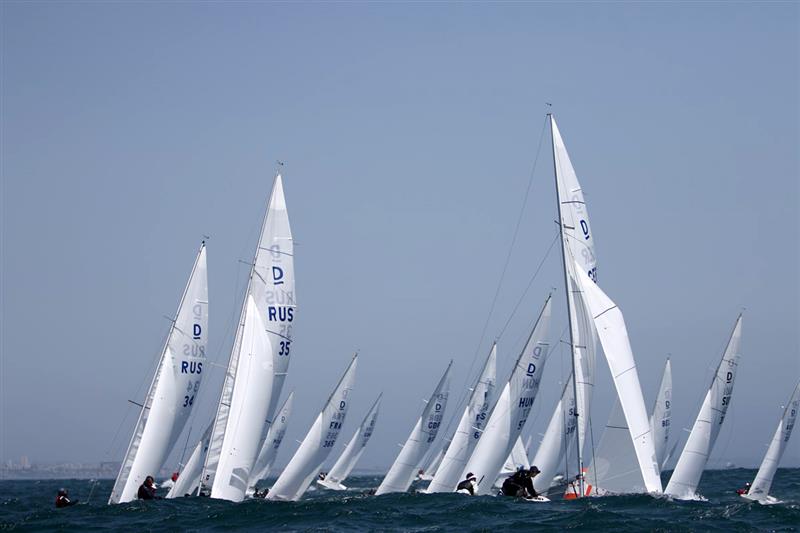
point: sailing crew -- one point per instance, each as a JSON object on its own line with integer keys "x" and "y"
{"x": 469, "y": 484}
{"x": 62, "y": 500}
{"x": 168, "y": 484}
{"x": 743, "y": 491}
{"x": 520, "y": 483}
{"x": 147, "y": 490}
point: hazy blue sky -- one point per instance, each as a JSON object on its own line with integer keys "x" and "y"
{"x": 409, "y": 133}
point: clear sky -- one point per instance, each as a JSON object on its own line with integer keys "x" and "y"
{"x": 409, "y": 131}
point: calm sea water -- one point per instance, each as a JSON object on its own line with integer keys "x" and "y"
{"x": 28, "y": 506}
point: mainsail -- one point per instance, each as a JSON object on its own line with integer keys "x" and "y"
{"x": 252, "y": 386}
{"x": 661, "y": 416}
{"x": 404, "y": 468}
{"x": 610, "y": 327}
{"x": 513, "y": 406}
{"x": 469, "y": 428}
{"x": 686, "y": 476}
{"x": 269, "y": 450}
{"x": 353, "y": 451}
{"x": 577, "y": 240}
{"x": 315, "y": 448}
{"x": 759, "y": 490}
{"x": 173, "y": 390}
{"x": 557, "y": 440}
{"x": 189, "y": 478}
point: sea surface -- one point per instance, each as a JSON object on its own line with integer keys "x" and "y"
{"x": 28, "y": 506}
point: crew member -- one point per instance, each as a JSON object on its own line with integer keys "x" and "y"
{"x": 520, "y": 483}
{"x": 469, "y": 484}
{"x": 147, "y": 490}
{"x": 62, "y": 500}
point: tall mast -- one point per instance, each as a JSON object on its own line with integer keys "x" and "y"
{"x": 217, "y": 435}
{"x": 569, "y": 310}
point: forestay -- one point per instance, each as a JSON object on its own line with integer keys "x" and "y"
{"x": 661, "y": 417}
{"x": 353, "y": 451}
{"x": 686, "y": 476}
{"x": 610, "y": 326}
{"x": 405, "y": 466}
{"x": 557, "y": 440}
{"x": 173, "y": 390}
{"x": 304, "y": 466}
{"x": 578, "y": 252}
{"x": 269, "y": 450}
{"x": 237, "y": 435}
{"x": 469, "y": 428}
{"x": 759, "y": 489}
{"x": 513, "y": 406}
{"x": 189, "y": 478}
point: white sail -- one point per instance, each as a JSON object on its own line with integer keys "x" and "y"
{"x": 353, "y": 451}
{"x": 661, "y": 417}
{"x": 271, "y": 288}
{"x": 692, "y": 461}
{"x": 173, "y": 390}
{"x": 189, "y": 478}
{"x": 557, "y": 440}
{"x": 610, "y": 326}
{"x": 513, "y": 406}
{"x": 248, "y": 409}
{"x": 578, "y": 247}
{"x": 759, "y": 489}
{"x": 518, "y": 458}
{"x": 269, "y": 450}
{"x": 469, "y": 428}
{"x": 614, "y": 468}
{"x": 404, "y": 468}
{"x": 304, "y": 466}
{"x": 431, "y": 465}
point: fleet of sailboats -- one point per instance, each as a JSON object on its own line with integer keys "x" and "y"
{"x": 238, "y": 449}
